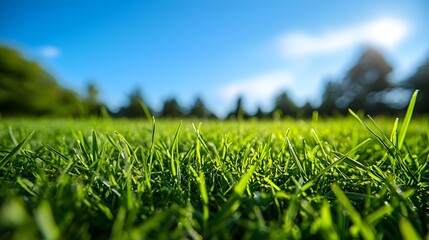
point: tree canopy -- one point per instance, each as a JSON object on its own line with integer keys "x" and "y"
{"x": 363, "y": 87}
{"x": 420, "y": 81}
{"x": 27, "y": 89}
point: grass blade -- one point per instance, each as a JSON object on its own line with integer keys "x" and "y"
{"x": 12, "y": 154}
{"x": 344, "y": 157}
{"x": 219, "y": 220}
{"x": 408, "y": 232}
{"x": 46, "y": 222}
{"x": 205, "y": 198}
{"x": 407, "y": 119}
{"x": 364, "y": 229}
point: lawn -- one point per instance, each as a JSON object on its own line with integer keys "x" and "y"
{"x": 330, "y": 178}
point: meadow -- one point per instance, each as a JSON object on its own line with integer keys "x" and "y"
{"x": 350, "y": 177}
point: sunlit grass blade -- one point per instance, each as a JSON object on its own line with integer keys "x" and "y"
{"x": 118, "y": 225}
{"x": 327, "y": 225}
{"x": 364, "y": 229}
{"x": 220, "y": 219}
{"x": 407, "y": 119}
{"x": 12, "y": 154}
{"x": 295, "y": 157}
{"x": 205, "y": 198}
{"x": 146, "y": 111}
{"x": 94, "y": 147}
{"x": 394, "y": 133}
{"x": 27, "y": 185}
{"x": 316, "y": 138}
{"x": 174, "y": 154}
{"x": 273, "y": 185}
{"x": 408, "y": 232}
{"x": 12, "y": 136}
{"x": 380, "y": 139}
{"x": 343, "y": 158}
{"x": 379, "y": 214}
{"x": 46, "y": 222}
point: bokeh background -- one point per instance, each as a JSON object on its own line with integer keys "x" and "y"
{"x": 206, "y": 59}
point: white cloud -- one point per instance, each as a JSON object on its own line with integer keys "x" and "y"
{"x": 257, "y": 90}
{"x": 384, "y": 32}
{"x": 49, "y": 52}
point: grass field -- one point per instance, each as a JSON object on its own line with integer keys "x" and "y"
{"x": 122, "y": 179}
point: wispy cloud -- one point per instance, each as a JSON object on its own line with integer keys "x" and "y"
{"x": 384, "y": 32}
{"x": 257, "y": 89}
{"x": 49, "y": 52}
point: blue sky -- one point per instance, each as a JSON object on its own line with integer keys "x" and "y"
{"x": 214, "y": 49}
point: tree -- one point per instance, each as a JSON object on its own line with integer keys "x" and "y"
{"x": 364, "y": 86}
{"x": 331, "y": 99}
{"x": 27, "y": 89}
{"x": 306, "y": 111}
{"x": 420, "y": 81}
{"x": 239, "y": 112}
{"x": 135, "y": 107}
{"x": 285, "y": 106}
{"x": 260, "y": 114}
{"x": 199, "y": 110}
{"x": 365, "y": 83}
{"x": 92, "y": 105}
{"x": 171, "y": 109}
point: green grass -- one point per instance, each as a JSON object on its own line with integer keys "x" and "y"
{"x": 353, "y": 177}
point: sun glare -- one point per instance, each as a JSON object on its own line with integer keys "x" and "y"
{"x": 387, "y": 32}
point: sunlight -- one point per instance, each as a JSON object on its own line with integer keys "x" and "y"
{"x": 384, "y": 32}
{"x": 387, "y": 32}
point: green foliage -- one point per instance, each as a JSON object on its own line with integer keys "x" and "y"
{"x": 130, "y": 179}
{"x": 199, "y": 110}
{"x": 420, "y": 81}
{"x": 285, "y": 105}
{"x": 27, "y": 89}
{"x": 171, "y": 109}
{"x": 364, "y": 87}
{"x": 136, "y": 107}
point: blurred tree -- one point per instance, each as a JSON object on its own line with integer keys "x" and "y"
{"x": 171, "y": 109}
{"x": 239, "y": 112}
{"x": 27, "y": 89}
{"x": 259, "y": 114}
{"x": 363, "y": 88}
{"x": 92, "y": 105}
{"x": 136, "y": 106}
{"x": 306, "y": 111}
{"x": 199, "y": 110}
{"x": 420, "y": 80}
{"x": 92, "y": 93}
{"x": 285, "y": 106}
{"x": 331, "y": 102}
{"x": 365, "y": 83}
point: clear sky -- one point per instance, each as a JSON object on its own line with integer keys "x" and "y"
{"x": 213, "y": 49}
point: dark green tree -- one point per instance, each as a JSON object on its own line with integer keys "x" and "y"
{"x": 363, "y": 88}
{"x": 136, "y": 106}
{"x": 306, "y": 111}
{"x": 420, "y": 81}
{"x": 27, "y": 89}
{"x": 285, "y": 106}
{"x": 239, "y": 112}
{"x": 259, "y": 114}
{"x": 332, "y": 101}
{"x": 93, "y": 106}
{"x": 366, "y": 82}
{"x": 171, "y": 109}
{"x": 199, "y": 110}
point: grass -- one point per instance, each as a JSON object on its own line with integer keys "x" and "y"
{"x": 353, "y": 177}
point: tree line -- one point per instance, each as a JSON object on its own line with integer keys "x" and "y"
{"x": 26, "y": 89}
